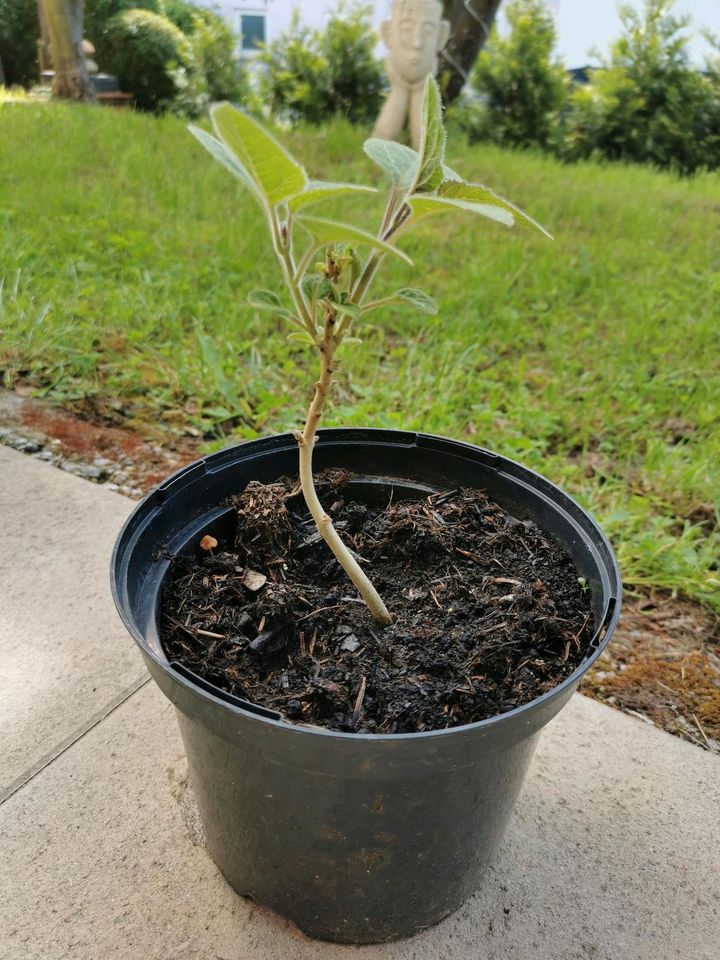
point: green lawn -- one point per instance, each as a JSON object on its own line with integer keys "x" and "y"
{"x": 126, "y": 254}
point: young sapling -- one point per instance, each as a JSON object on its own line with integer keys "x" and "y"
{"x": 326, "y": 275}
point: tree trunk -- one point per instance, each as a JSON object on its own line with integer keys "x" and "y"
{"x": 2, "y": 74}
{"x": 43, "y": 44}
{"x": 64, "y": 20}
{"x": 470, "y": 21}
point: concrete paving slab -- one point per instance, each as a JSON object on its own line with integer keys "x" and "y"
{"x": 611, "y": 855}
{"x": 65, "y": 657}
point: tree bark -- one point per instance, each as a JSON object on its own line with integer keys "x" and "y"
{"x": 470, "y": 23}
{"x": 43, "y": 44}
{"x": 64, "y": 20}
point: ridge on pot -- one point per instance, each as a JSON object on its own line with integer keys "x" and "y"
{"x": 355, "y": 837}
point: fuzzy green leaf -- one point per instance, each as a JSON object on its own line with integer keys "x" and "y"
{"x": 317, "y": 190}
{"x": 297, "y": 336}
{"x": 315, "y": 285}
{"x": 226, "y": 157}
{"x": 351, "y": 310}
{"x": 327, "y": 232}
{"x": 418, "y": 299}
{"x": 432, "y": 142}
{"x": 269, "y": 301}
{"x": 277, "y": 175}
{"x": 474, "y": 193}
{"x": 424, "y": 206}
{"x": 450, "y": 174}
{"x": 399, "y": 162}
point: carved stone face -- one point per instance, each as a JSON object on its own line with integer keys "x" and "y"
{"x": 414, "y": 35}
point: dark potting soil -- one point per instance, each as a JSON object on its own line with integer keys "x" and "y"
{"x": 489, "y": 612}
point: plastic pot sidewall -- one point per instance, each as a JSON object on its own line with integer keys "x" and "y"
{"x": 356, "y": 838}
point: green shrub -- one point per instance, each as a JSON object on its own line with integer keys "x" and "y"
{"x": 18, "y": 41}
{"x": 646, "y": 102}
{"x": 150, "y": 57}
{"x": 99, "y": 13}
{"x": 213, "y": 45}
{"x": 313, "y": 75}
{"x": 182, "y": 13}
{"x": 521, "y": 87}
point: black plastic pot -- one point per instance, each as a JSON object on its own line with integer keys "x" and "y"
{"x": 356, "y": 838}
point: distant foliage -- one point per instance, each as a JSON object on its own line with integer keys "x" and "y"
{"x": 213, "y": 50}
{"x": 520, "y": 86}
{"x": 181, "y": 13}
{"x": 647, "y": 103}
{"x": 312, "y": 75}
{"x": 99, "y": 13}
{"x": 18, "y": 41}
{"x": 206, "y": 68}
{"x": 149, "y": 55}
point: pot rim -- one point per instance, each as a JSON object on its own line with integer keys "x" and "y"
{"x": 598, "y": 644}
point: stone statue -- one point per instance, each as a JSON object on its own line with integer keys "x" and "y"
{"x": 414, "y": 35}
{"x": 89, "y": 51}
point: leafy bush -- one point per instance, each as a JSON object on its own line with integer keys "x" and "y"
{"x": 99, "y": 13}
{"x": 182, "y": 13}
{"x": 312, "y": 75}
{"x": 18, "y": 41}
{"x": 202, "y": 64}
{"x": 150, "y": 57}
{"x": 647, "y": 103}
{"x": 521, "y": 88}
{"x": 212, "y": 45}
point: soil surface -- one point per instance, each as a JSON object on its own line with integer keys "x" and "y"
{"x": 489, "y": 612}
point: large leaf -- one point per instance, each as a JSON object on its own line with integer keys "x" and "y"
{"x": 326, "y": 232}
{"x": 474, "y": 193}
{"x": 226, "y": 157}
{"x": 399, "y": 162}
{"x": 317, "y": 190}
{"x": 418, "y": 299}
{"x": 424, "y": 205}
{"x": 432, "y": 142}
{"x": 270, "y": 166}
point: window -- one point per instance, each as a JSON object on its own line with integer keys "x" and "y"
{"x": 252, "y": 31}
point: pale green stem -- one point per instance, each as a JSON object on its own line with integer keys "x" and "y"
{"x": 282, "y": 249}
{"x": 361, "y": 287}
{"x": 305, "y": 262}
{"x": 379, "y": 303}
{"x": 306, "y": 442}
{"x": 375, "y": 259}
